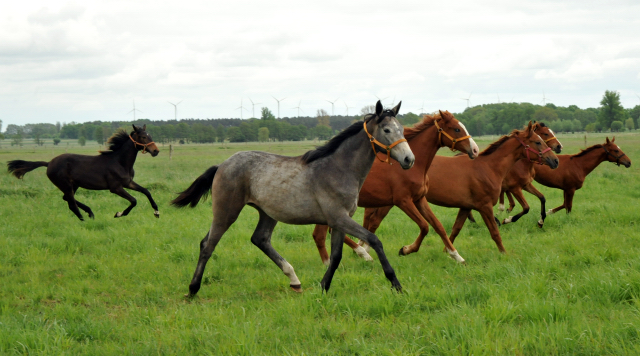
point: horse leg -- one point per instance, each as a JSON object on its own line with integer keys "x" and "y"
{"x": 320, "y": 237}
{"x": 337, "y": 240}
{"x": 555, "y": 210}
{"x": 71, "y": 201}
{"x": 349, "y": 226}
{"x": 543, "y": 214}
{"x": 458, "y": 224}
{"x": 372, "y": 219}
{"x": 489, "y": 220}
{"x": 568, "y": 199}
{"x": 512, "y": 204}
{"x": 501, "y": 206}
{"x": 123, "y": 193}
{"x": 224, "y": 215}
{"x": 262, "y": 238}
{"x": 135, "y": 186}
{"x": 412, "y": 212}
{"x": 471, "y": 218}
{"x": 82, "y": 206}
{"x": 517, "y": 193}
{"x": 427, "y": 213}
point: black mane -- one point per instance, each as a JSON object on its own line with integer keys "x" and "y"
{"x": 330, "y": 147}
{"x": 115, "y": 142}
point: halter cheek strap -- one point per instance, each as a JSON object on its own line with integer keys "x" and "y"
{"x": 528, "y": 148}
{"x": 453, "y": 140}
{"x": 614, "y": 156}
{"x": 376, "y": 142}
{"x": 144, "y": 145}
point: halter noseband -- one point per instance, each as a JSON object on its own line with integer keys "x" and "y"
{"x": 614, "y": 156}
{"x": 387, "y": 148}
{"x": 144, "y": 145}
{"x": 453, "y": 140}
{"x": 528, "y": 148}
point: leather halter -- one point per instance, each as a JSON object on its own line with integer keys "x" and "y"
{"x": 528, "y": 148}
{"x": 614, "y": 156}
{"x": 453, "y": 140}
{"x": 144, "y": 145}
{"x": 387, "y": 148}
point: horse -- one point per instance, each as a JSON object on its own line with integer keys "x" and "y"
{"x": 458, "y": 182}
{"x": 520, "y": 177}
{"x": 112, "y": 169}
{"x": 319, "y": 187}
{"x": 574, "y": 169}
{"x": 391, "y": 186}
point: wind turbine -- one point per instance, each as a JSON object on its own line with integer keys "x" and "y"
{"x": 253, "y": 107}
{"x": 134, "y": 110}
{"x": 386, "y": 97}
{"x": 175, "y": 109}
{"x": 332, "y": 102}
{"x": 544, "y": 99}
{"x": 467, "y": 99}
{"x": 298, "y": 107}
{"x": 422, "y": 108}
{"x": 278, "y": 104}
{"x": 241, "y": 107}
{"x": 498, "y": 98}
{"x": 348, "y": 107}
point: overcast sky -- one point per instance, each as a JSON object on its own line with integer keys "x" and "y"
{"x": 83, "y": 61}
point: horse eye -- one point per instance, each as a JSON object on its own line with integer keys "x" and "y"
{"x": 537, "y": 143}
{"x": 387, "y": 130}
{"x": 456, "y": 130}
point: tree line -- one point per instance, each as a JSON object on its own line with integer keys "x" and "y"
{"x": 487, "y": 119}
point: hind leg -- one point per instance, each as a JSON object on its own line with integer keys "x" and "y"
{"x": 320, "y": 237}
{"x": 372, "y": 219}
{"x": 543, "y": 214}
{"x": 73, "y": 206}
{"x": 489, "y": 220}
{"x": 123, "y": 193}
{"x": 262, "y": 238}
{"x": 82, "y": 206}
{"x": 517, "y": 193}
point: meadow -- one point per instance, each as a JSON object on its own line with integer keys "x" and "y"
{"x": 116, "y": 286}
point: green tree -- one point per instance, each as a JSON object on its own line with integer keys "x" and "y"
{"x": 408, "y": 119}
{"x": 263, "y": 134}
{"x": 545, "y": 114}
{"x": 629, "y": 124}
{"x": 611, "y": 109}
{"x": 56, "y": 141}
{"x": 235, "y": 134}
{"x": 616, "y": 126}
{"x": 220, "y": 133}
{"x": 82, "y": 141}
{"x": 590, "y": 127}
{"x": 17, "y": 137}
{"x": 266, "y": 114}
{"x": 98, "y": 135}
{"x": 635, "y": 114}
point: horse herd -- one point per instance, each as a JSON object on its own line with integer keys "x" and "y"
{"x": 326, "y": 185}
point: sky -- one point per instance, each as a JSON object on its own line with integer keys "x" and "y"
{"x": 84, "y": 61}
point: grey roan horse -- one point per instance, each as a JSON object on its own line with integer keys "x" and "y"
{"x": 319, "y": 187}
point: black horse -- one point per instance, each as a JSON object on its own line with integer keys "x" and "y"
{"x": 112, "y": 169}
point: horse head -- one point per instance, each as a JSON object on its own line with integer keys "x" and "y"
{"x": 548, "y": 136}
{"x": 615, "y": 154}
{"x": 141, "y": 138}
{"x": 385, "y": 128}
{"x": 452, "y": 132}
{"x": 533, "y": 143}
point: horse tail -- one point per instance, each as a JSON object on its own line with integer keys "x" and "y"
{"x": 19, "y": 167}
{"x": 198, "y": 190}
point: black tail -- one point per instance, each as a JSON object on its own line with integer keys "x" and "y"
{"x": 19, "y": 167}
{"x": 197, "y": 191}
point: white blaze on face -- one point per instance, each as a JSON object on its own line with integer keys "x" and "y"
{"x": 474, "y": 146}
{"x": 551, "y": 131}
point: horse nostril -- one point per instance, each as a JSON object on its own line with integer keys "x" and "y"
{"x": 407, "y": 160}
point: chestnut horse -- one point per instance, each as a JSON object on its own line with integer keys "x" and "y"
{"x": 574, "y": 169}
{"x": 458, "y": 182}
{"x": 521, "y": 175}
{"x": 389, "y": 185}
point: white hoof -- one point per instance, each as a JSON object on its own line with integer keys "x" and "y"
{"x": 540, "y": 222}
{"x": 118, "y": 214}
{"x": 454, "y": 255}
{"x": 156, "y": 214}
{"x": 501, "y": 207}
{"x": 326, "y": 262}
{"x": 360, "y": 251}
{"x": 550, "y": 211}
{"x": 507, "y": 220}
{"x": 364, "y": 245}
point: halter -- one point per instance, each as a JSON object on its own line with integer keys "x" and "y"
{"x": 453, "y": 140}
{"x": 387, "y": 148}
{"x": 528, "y": 148}
{"x": 549, "y": 139}
{"x": 144, "y": 145}
{"x": 614, "y": 156}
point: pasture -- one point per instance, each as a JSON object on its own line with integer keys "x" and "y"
{"x": 116, "y": 286}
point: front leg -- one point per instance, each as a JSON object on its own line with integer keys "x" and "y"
{"x": 123, "y": 193}
{"x": 135, "y": 186}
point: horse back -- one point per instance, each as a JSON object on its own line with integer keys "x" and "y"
{"x": 89, "y": 172}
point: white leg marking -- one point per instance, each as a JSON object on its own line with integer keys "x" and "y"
{"x": 364, "y": 245}
{"x": 541, "y": 222}
{"x": 550, "y": 211}
{"x": 326, "y": 262}
{"x": 501, "y": 207}
{"x": 507, "y": 220}
{"x": 454, "y": 255}
{"x": 156, "y": 213}
{"x": 289, "y": 272}
{"x": 119, "y": 214}
{"x": 360, "y": 251}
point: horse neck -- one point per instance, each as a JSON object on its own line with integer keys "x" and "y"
{"x": 590, "y": 161}
{"x": 355, "y": 155}
{"x": 127, "y": 155}
{"x": 425, "y": 145}
{"x": 503, "y": 158}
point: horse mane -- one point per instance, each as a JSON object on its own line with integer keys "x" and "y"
{"x": 585, "y": 151}
{"x": 115, "y": 142}
{"x": 494, "y": 146}
{"x": 330, "y": 147}
{"x": 427, "y": 121}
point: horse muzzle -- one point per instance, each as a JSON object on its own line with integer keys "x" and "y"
{"x": 402, "y": 153}
{"x": 552, "y": 162}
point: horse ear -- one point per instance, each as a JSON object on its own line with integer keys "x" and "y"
{"x": 608, "y": 142}
{"x": 134, "y": 127}
{"x": 529, "y": 129}
{"x": 613, "y": 139}
{"x": 144, "y": 127}
{"x": 396, "y": 109}
{"x": 441, "y": 114}
{"x": 379, "y": 108}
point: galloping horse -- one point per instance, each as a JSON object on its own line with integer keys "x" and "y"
{"x": 574, "y": 169}
{"x": 521, "y": 176}
{"x": 458, "y": 182}
{"x": 319, "y": 187}
{"x": 112, "y": 169}
{"x": 389, "y": 185}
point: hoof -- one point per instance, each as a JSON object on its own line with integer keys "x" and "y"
{"x": 296, "y": 288}
{"x": 118, "y": 214}
{"x": 540, "y": 223}
{"x": 326, "y": 263}
{"x": 401, "y": 252}
{"x": 156, "y": 214}
{"x": 360, "y": 251}
{"x": 397, "y": 287}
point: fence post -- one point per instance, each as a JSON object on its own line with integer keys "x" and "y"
{"x": 170, "y": 152}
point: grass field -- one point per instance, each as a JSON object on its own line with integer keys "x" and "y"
{"x": 116, "y": 286}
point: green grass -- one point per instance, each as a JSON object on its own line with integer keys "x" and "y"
{"x": 116, "y": 286}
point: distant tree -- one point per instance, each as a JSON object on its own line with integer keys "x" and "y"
{"x": 57, "y": 126}
{"x": 266, "y": 114}
{"x": 611, "y": 109}
{"x": 98, "y": 135}
{"x": 321, "y": 132}
{"x": 545, "y": 114}
{"x": 16, "y": 139}
{"x": 263, "y": 134}
{"x": 590, "y": 127}
{"x": 82, "y": 141}
{"x": 220, "y": 133}
{"x": 616, "y": 126}
{"x": 368, "y": 109}
{"x": 577, "y": 125}
{"x": 235, "y": 134}
{"x": 629, "y": 124}
{"x": 409, "y": 119}
{"x": 635, "y": 114}
{"x": 0, "y": 126}
{"x": 56, "y": 141}
{"x": 567, "y": 126}
{"x": 323, "y": 118}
